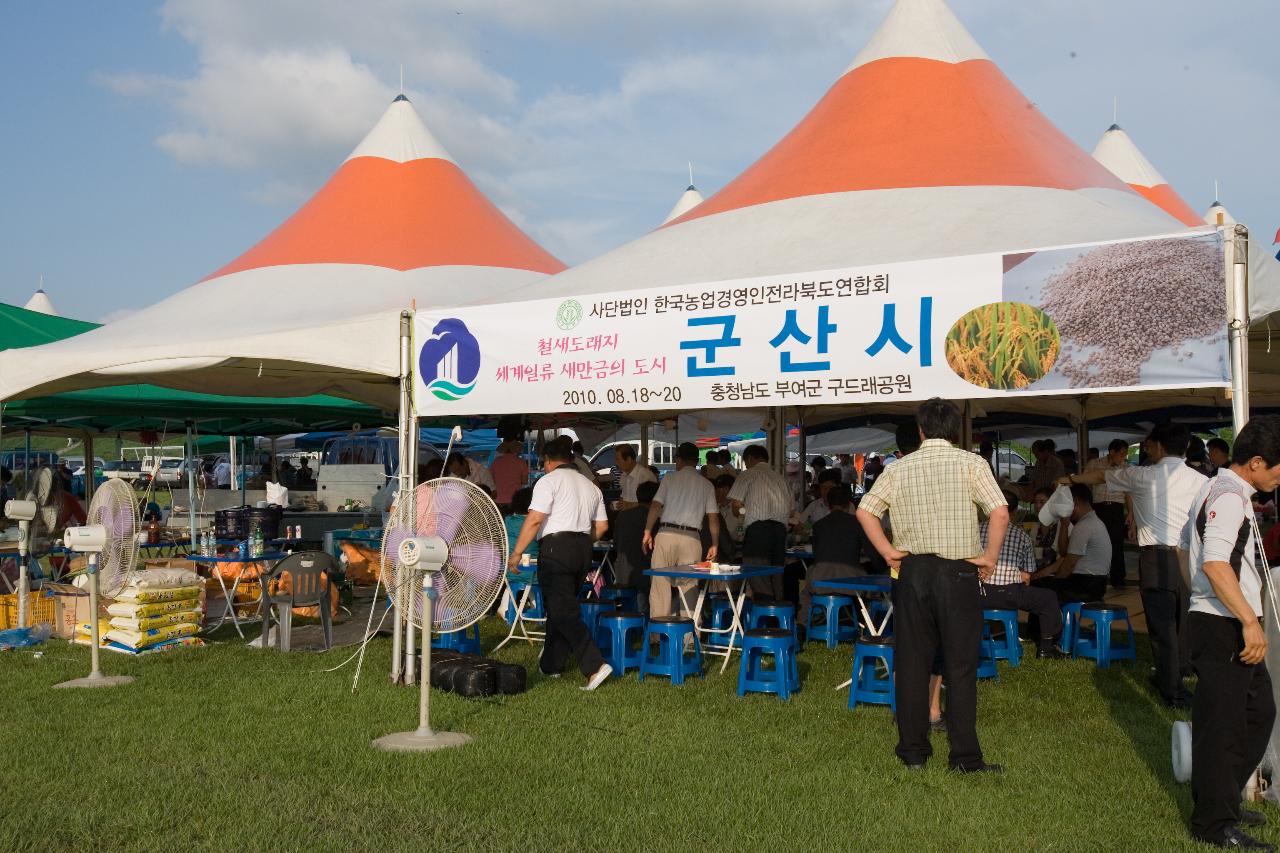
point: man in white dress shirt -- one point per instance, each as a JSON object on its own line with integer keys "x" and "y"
{"x": 567, "y": 513}
{"x": 1234, "y": 707}
{"x": 633, "y": 474}
{"x": 685, "y": 499}
{"x": 1162, "y": 493}
{"x": 764, "y": 496}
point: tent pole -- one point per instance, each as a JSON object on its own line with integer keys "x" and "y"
{"x": 1238, "y": 325}
{"x": 966, "y": 426}
{"x": 191, "y": 491}
{"x": 1082, "y": 434}
{"x": 90, "y": 486}
{"x": 405, "y": 492}
{"x": 644, "y": 442}
{"x": 804, "y": 458}
{"x": 26, "y": 462}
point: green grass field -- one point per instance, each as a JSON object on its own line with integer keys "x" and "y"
{"x": 231, "y": 748}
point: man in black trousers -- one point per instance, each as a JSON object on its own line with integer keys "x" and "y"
{"x": 569, "y": 509}
{"x": 1234, "y": 708}
{"x": 933, "y": 497}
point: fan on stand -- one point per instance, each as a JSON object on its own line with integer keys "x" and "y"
{"x": 110, "y": 540}
{"x": 37, "y": 516}
{"x": 447, "y": 572}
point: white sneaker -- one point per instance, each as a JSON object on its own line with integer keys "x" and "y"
{"x": 602, "y": 674}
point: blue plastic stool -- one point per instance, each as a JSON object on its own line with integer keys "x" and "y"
{"x": 536, "y": 609}
{"x": 720, "y": 618}
{"x": 614, "y": 635}
{"x": 593, "y": 610}
{"x": 867, "y": 686}
{"x": 1070, "y": 626}
{"x": 782, "y": 615}
{"x": 784, "y": 678}
{"x": 877, "y": 609}
{"x": 987, "y": 660}
{"x": 627, "y": 597}
{"x": 1009, "y": 648}
{"x": 830, "y": 628}
{"x": 466, "y": 641}
{"x": 671, "y": 659}
{"x": 1100, "y": 645}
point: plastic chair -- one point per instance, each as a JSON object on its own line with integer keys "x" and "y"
{"x": 627, "y": 597}
{"x": 784, "y": 678}
{"x": 534, "y": 610}
{"x": 1070, "y": 625}
{"x": 987, "y": 660}
{"x": 720, "y": 618}
{"x": 1099, "y": 645}
{"x": 1010, "y": 646}
{"x": 593, "y": 610}
{"x": 868, "y": 687}
{"x": 670, "y": 659}
{"x": 781, "y": 615}
{"x": 830, "y": 628}
{"x": 306, "y": 589}
{"x": 614, "y": 634}
{"x": 466, "y": 641}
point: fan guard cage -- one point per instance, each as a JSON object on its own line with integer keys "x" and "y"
{"x": 113, "y": 507}
{"x": 467, "y": 519}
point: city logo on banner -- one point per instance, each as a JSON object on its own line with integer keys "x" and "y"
{"x": 449, "y": 361}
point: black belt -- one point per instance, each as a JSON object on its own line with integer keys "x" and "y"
{"x": 564, "y": 533}
{"x": 681, "y": 527}
{"x": 1158, "y": 548}
{"x": 1109, "y": 503}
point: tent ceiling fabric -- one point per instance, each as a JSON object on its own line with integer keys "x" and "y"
{"x": 314, "y": 307}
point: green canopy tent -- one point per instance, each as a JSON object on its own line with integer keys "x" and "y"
{"x": 136, "y": 408}
{"x": 132, "y": 408}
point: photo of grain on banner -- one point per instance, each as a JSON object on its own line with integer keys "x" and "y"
{"x": 1146, "y": 312}
{"x": 1005, "y": 345}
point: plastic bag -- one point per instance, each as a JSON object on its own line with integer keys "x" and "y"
{"x": 17, "y": 638}
{"x": 277, "y": 494}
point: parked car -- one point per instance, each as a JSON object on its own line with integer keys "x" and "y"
{"x": 174, "y": 472}
{"x": 129, "y": 470}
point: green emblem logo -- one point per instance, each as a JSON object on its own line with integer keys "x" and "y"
{"x": 569, "y": 314}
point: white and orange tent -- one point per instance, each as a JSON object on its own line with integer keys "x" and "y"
{"x": 922, "y": 149}
{"x": 1117, "y": 151}
{"x": 314, "y": 307}
{"x": 689, "y": 199}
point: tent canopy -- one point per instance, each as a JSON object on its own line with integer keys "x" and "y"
{"x": 1117, "y": 151}
{"x": 314, "y": 307}
{"x": 128, "y": 408}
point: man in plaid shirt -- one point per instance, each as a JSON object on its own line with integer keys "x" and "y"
{"x": 933, "y": 497}
{"x": 1006, "y": 585}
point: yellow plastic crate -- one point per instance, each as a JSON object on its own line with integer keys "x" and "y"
{"x": 41, "y": 608}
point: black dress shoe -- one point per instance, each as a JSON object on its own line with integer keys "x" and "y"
{"x": 919, "y": 766}
{"x": 1250, "y": 817}
{"x": 1234, "y": 839}
{"x": 1050, "y": 653}
{"x": 984, "y": 767}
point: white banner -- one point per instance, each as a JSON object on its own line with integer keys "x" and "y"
{"x": 1146, "y": 314}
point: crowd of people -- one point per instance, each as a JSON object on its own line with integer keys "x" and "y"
{"x": 935, "y": 515}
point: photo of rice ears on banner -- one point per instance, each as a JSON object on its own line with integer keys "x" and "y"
{"x": 1120, "y": 316}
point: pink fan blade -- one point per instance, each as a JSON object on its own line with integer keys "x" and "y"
{"x": 480, "y": 562}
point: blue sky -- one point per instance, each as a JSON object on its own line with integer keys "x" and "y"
{"x": 147, "y": 144}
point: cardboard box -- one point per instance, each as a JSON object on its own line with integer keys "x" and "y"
{"x": 66, "y": 599}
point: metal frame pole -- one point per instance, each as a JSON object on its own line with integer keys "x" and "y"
{"x": 1237, "y": 251}
{"x": 191, "y": 490}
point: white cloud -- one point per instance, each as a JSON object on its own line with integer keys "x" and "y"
{"x": 589, "y": 148}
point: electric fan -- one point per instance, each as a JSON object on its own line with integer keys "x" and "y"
{"x": 444, "y": 560}
{"x": 110, "y": 540}
{"x": 37, "y": 514}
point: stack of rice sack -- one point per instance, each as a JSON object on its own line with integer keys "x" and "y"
{"x": 158, "y": 610}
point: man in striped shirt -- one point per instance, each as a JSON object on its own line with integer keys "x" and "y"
{"x": 933, "y": 497}
{"x": 1006, "y": 585}
{"x": 764, "y": 496}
